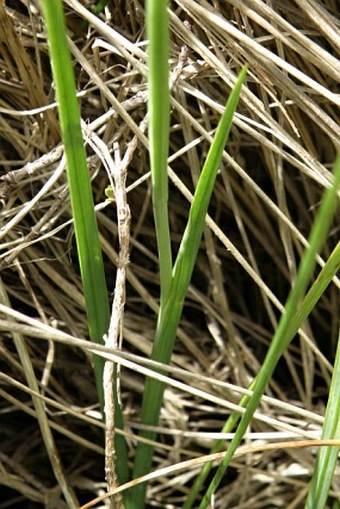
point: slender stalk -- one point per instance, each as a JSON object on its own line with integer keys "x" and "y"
{"x": 327, "y": 457}
{"x": 324, "y": 278}
{"x": 171, "y": 311}
{"x": 285, "y": 332}
{"x": 85, "y": 224}
{"x": 157, "y": 20}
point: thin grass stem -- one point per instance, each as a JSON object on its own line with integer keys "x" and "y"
{"x": 159, "y": 123}
{"x": 85, "y": 224}
{"x": 285, "y": 332}
{"x": 170, "y": 312}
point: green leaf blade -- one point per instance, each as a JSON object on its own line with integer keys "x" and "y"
{"x": 85, "y": 223}
{"x": 295, "y": 313}
{"x": 159, "y": 126}
{"x": 171, "y": 310}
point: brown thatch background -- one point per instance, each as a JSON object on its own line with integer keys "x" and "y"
{"x": 276, "y": 167}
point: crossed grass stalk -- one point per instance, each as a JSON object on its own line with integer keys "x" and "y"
{"x": 175, "y": 278}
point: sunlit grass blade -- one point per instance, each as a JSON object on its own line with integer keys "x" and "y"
{"x": 159, "y": 125}
{"x": 319, "y": 286}
{"x": 170, "y": 313}
{"x": 327, "y": 457}
{"x": 285, "y": 331}
{"x": 85, "y": 224}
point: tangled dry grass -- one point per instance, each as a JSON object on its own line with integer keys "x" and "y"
{"x": 277, "y": 164}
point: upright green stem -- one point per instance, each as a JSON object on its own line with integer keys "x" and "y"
{"x": 170, "y": 312}
{"x": 327, "y": 457}
{"x": 85, "y": 223}
{"x": 159, "y": 123}
{"x": 285, "y": 331}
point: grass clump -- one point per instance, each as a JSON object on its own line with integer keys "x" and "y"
{"x": 264, "y": 203}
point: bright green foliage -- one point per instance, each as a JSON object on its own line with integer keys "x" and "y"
{"x": 173, "y": 289}
{"x": 327, "y": 457}
{"x": 175, "y": 279}
{"x": 159, "y": 123}
{"x": 296, "y": 311}
{"x": 85, "y": 224}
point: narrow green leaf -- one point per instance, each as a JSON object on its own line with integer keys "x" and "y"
{"x": 85, "y": 224}
{"x": 327, "y": 457}
{"x": 171, "y": 311}
{"x": 285, "y": 332}
{"x": 159, "y": 124}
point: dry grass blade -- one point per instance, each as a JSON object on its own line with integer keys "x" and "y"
{"x": 46, "y": 434}
{"x": 28, "y": 71}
